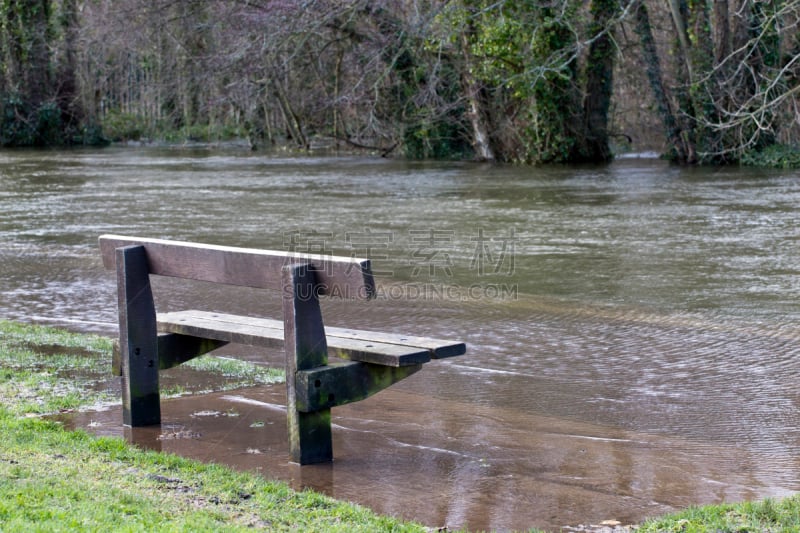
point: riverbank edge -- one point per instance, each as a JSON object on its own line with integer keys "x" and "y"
{"x": 52, "y": 479}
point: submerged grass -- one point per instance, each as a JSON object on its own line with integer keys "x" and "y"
{"x": 57, "y": 480}
{"x": 241, "y": 373}
{"x": 45, "y": 370}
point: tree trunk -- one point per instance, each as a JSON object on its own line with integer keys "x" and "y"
{"x": 291, "y": 119}
{"x": 599, "y": 84}
{"x": 684, "y": 76}
{"x": 653, "y": 66}
{"x": 38, "y": 80}
{"x": 477, "y": 117}
{"x": 705, "y": 92}
{"x": 68, "y": 98}
{"x": 722, "y": 35}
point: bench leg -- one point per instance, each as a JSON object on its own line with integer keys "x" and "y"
{"x": 310, "y": 437}
{"x": 138, "y": 341}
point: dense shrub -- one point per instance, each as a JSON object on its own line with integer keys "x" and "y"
{"x": 24, "y": 125}
{"x": 774, "y": 156}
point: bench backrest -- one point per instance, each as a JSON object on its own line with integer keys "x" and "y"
{"x": 336, "y": 276}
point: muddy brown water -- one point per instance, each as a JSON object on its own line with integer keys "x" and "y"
{"x": 632, "y": 330}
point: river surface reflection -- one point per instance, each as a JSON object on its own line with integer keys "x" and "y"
{"x": 632, "y": 329}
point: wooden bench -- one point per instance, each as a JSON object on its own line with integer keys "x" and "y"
{"x": 150, "y": 341}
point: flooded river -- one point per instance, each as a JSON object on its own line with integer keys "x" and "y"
{"x": 633, "y": 330}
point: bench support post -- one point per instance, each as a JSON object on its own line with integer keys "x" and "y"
{"x": 173, "y": 349}
{"x": 343, "y": 383}
{"x": 310, "y": 436}
{"x": 137, "y": 339}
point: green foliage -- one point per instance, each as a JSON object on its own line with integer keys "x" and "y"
{"x": 430, "y": 130}
{"x": 522, "y": 54}
{"x": 92, "y": 135}
{"x": 15, "y": 128}
{"x": 23, "y": 125}
{"x": 550, "y": 136}
{"x": 774, "y": 156}
{"x": 48, "y": 127}
{"x": 436, "y": 138}
{"x": 121, "y": 126}
{"x": 118, "y": 126}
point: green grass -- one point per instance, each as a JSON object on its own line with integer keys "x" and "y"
{"x": 766, "y": 516}
{"x": 242, "y": 373}
{"x": 57, "y": 480}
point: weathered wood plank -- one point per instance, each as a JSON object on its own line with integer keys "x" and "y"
{"x": 342, "y": 383}
{"x": 393, "y": 355}
{"x": 335, "y": 276}
{"x": 439, "y": 348}
{"x": 269, "y": 333}
{"x": 337, "y": 337}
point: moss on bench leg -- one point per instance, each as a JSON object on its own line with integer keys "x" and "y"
{"x": 310, "y": 438}
{"x": 342, "y": 383}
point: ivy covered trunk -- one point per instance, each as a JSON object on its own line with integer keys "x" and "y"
{"x": 67, "y": 91}
{"x": 593, "y": 144}
{"x": 655, "y": 77}
{"x": 554, "y": 116}
{"x": 473, "y": 90}
{"x": 40, "y": 102}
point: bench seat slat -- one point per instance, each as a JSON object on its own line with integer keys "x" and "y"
{"x": 208, "y": 327}
{"x": 269, "y": 333}
{"x": 438, "y": 348}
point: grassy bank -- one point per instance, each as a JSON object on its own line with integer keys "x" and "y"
{"x": 57, "y": 480}
{"x": 767, "y": 516}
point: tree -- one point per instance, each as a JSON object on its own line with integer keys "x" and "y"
{"x": 28, "y": 118}
{"x": 41, "y": 104}
{"x": 537, "y": 82}
{"x": 734, "y": 77}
